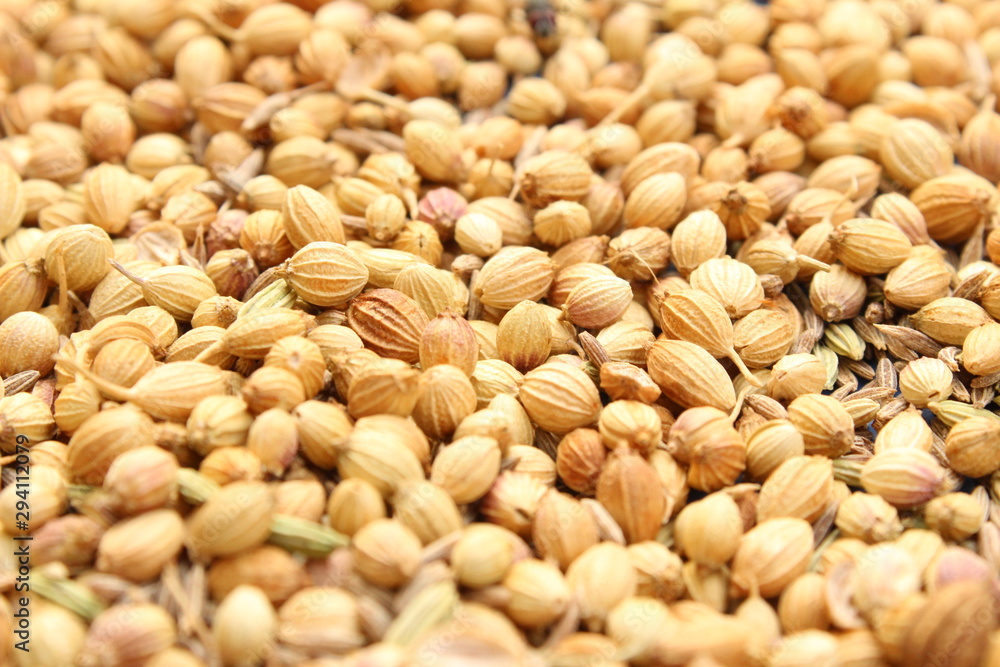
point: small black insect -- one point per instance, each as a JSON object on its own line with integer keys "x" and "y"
{"x": 541, "y": 16}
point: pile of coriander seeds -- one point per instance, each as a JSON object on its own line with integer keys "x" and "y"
{"x": 529, "y": 333}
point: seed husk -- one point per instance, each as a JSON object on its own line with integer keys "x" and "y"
{"x": 696, "y": 317}
{"x": 772, "y": 444}
{"x": 597, "y": 600}
{"x": 445, "y": 396}
{"x": 12, "y": 195}
{"x": 179, "y": 290}
{"x": 555, "y": 512}
{"x": 435, "y": 150}
{"x": 673, "y": 365}
{"x": 309, "y": 217}
{"x": 389, "y": 322}
{"x": 868, "y": 246}
{"x": 385, "y": 463}
{"x": 514, "y": 275}
{"x": 78, "y": 255}
{"x": 384, "y": 386}
{"x": 169, "y": 392}
{"x": 449, "y": 339}
{"x": 800, "y": 487}
{"x": 130, "y": 633}
{"x": 710, "y": 547}
{"x": 597, "y": 302}
{"x": 325, "y": 274}
{"x": 868, "y": 517}
{"x": 253, "y": 335}
{"x": 838, "y": 294}
{"x": 139, "y": 548}
{"x": 28, "y": 342}
{"x": 560, "y": 398}
{"x": 970, "y": 446}
{"x": 827, "y": 428}
{"x": 24, "y": 415}
{"x": 949, "y": 320}
{"x": 920, "y": 279}
{"x": 554, "y": 175}
{"x": 630, "y": 489}
{"x": 904, "y": 477}
{"x": 244, "y": 510}
{"x": 907, "y": 429}
{"x": 932, "y": 629}
{"x": 925, "y": 380}
{"x": 25, "y": 284}
{"x": 524, "y": 336}
{"x": 763, "y": 337}
{"x": 386, "y": 553}
{"x": 771, "y": 555}
{"x": 239, "y": 640}
{"x": 915, "y": 152}
{"x": 952, "y": 205}
{"x": 731, "y": 283}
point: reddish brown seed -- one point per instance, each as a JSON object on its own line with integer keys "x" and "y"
{"x": 389, "y": 322}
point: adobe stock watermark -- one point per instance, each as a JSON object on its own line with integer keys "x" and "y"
{"x": 22, "y": 545}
